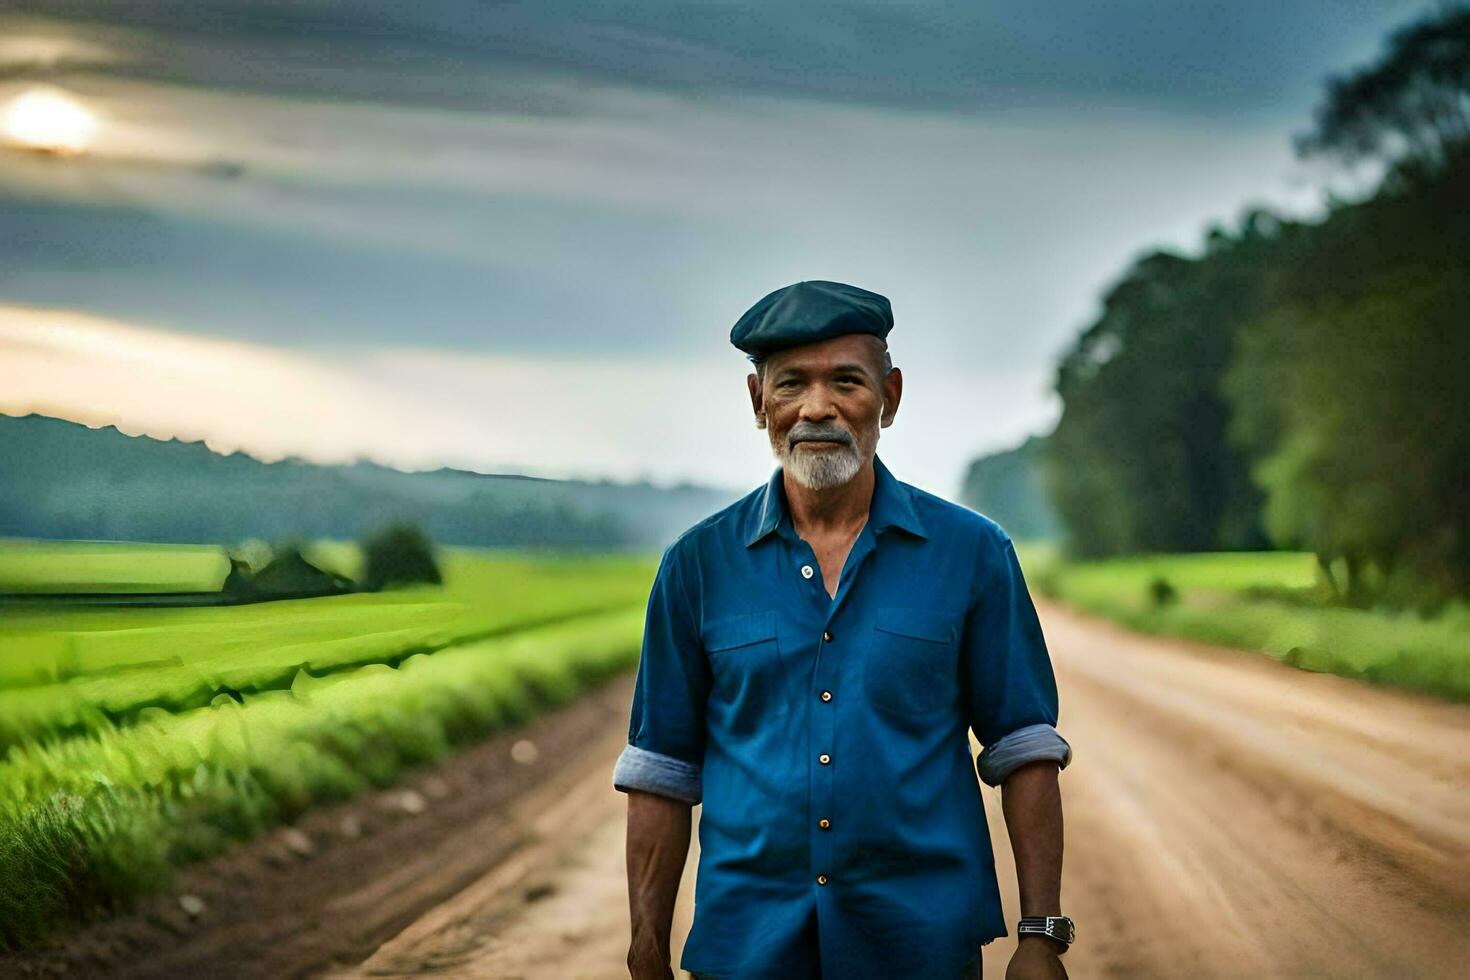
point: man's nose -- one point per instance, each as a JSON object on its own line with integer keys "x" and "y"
{"x": 818, "y": 405}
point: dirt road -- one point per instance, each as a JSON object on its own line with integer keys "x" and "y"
{"x": 1226, "y": 816}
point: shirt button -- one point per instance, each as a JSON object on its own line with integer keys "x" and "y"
{"x": 824, "y": 758}
{"x": 826, "y": 695}
{"x": 824, "y": 823}
{"x": 806, "y": 571}
{"x": 821, "y": 879}
{"x": 827, "y": 637}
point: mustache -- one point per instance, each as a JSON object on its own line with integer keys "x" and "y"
{"x": 816, "y": 431}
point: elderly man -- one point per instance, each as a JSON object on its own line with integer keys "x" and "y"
{"x": 813, "y": 657}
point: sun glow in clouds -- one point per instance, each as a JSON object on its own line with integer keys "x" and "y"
{"x": 50, "y": 121}
{"x": 402, "y": 406}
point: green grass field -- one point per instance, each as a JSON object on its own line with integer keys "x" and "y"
{"x": 1269, "y": 602}
{"x": 66, "y": 670}
{"x": 138, "y": 739}
{"x": 106, "y": 566}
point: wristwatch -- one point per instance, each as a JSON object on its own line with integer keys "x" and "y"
{"x": 1058, "y": 927}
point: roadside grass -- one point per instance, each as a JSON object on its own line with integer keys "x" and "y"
{"x": 1270, "y": 602}
{"x": 139, "y": 739}
{"x": 88, "y": 823}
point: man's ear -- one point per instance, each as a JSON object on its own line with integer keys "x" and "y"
{"x": 753, "y": 383}
{"x": 892, "y": 393}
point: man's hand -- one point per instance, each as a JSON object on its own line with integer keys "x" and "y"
{"x": 1036, "y": 959}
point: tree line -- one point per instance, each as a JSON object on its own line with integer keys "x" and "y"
{"x": 63, "y": 480}
{"x": 1297, "y": 384}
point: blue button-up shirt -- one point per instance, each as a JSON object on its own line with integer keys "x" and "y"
{"x": 843, "y": 831}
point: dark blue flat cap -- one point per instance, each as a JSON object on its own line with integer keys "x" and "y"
{"x": 808, "y": 311}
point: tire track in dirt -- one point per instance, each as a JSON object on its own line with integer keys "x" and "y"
{"x": 559, "y": 909}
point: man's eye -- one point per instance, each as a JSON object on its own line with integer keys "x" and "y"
{"x": 788, "y": 383}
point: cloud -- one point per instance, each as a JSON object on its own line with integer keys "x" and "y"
{"x": 644, "y": 228}
{"x": 42, "y": 50}
{"x": 1215, "y": 57}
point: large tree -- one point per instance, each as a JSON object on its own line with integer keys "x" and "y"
{"x": 1139, "y": 460}
{"x": 1353, "y": 392}
{"x": 1411, "y": 108}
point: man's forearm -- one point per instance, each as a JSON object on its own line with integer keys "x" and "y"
{"x": 1032, "y": 802}
{"x": 657, "y": 848}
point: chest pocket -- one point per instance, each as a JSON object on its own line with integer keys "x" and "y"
{"x": 745, "y": 662}
{"x": 912, "y": 667}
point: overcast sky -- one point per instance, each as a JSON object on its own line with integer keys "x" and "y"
{"x": 514, "y": 236}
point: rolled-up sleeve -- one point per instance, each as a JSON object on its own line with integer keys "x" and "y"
{"x": 666, "y": 728}
{"x": 1010, "y": 689}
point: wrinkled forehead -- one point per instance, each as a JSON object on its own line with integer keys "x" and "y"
{"x": 860, "y": 350}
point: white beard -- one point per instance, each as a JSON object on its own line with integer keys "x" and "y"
{"x": 820, "y": 469}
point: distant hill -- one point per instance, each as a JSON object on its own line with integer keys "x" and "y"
{"x": 60, "y": 479}
{"x": 1008, "y": 488}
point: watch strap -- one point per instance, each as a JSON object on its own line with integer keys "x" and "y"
{"x": 1058, "y": 927}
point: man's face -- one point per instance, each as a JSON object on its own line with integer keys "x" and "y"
{"x": 824, "y": 404}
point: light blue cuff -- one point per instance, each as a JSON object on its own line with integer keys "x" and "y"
{"x": 654, "y": 772}
{"x": 1021, "y": 746}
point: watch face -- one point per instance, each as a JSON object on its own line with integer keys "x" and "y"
{"x": 1061, "y": 927}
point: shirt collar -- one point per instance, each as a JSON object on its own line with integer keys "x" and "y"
{"x": 892, "y": 505}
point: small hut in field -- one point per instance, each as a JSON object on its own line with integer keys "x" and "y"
{"x": 289, "y": 575}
